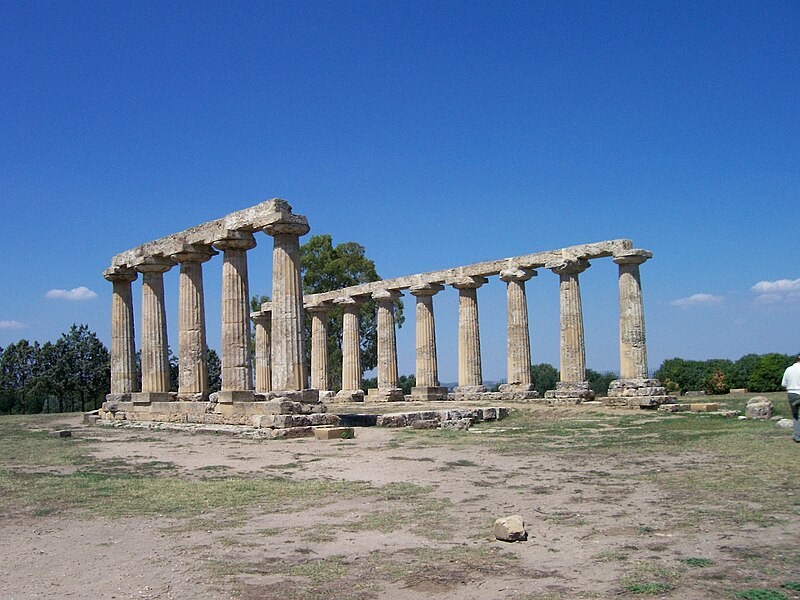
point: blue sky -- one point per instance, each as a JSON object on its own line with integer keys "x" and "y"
{"x": 435, "y": 134}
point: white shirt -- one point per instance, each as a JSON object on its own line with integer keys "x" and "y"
{"x": 791, "y": 378}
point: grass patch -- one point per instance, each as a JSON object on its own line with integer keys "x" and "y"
{"x": 761, "y": 594}
{"x": 697, "y": 562}
{"x": 647, "y": 577}
{"x": 115, "y": 495}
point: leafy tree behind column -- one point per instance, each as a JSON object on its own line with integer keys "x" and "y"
{"x": 326, "y": 268}
{"x": 544, "y": 377}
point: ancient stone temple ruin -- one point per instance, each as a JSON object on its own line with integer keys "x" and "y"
{"x": 282, "y": 394}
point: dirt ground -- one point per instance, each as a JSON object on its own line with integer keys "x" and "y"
{"x": 592, "y": 519}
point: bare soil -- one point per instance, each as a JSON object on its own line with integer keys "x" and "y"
{"x": 592, "y": 519}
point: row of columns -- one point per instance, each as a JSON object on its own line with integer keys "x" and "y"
{"x": 633, "y": 356}
{"x": 279, "y": 336}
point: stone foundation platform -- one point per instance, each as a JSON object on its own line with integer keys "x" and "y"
{"x": 273, "y": 410}
{"x": 569, "y": 392}
{"x": 637, "y": 393}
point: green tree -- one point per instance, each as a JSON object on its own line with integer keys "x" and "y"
{"x": 544, "y": 377}
{"x": 406, "y": 382}
{"x": 214, "y": 371}
{"x": 326, "y": 268}
{"x": 599, "y": 382}
{"x": 767, "y": 375}
{"x": 740, "y": 371}
{"x": 17, "y": 372}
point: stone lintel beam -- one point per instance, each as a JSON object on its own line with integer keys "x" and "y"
{"x": 483, "y": 269}
{"x": 252, "y": 219}
{"x": 632, "y": 257}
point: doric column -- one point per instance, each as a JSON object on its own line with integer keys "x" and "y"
{"x": 573, "y": 386}
{"x": 237, "y": 373}
{"x": 633, "y": 388}
{"x": 351, "y": 352}
{"x": 518, "y": 333}
{"x": 319, "y": 347}
{"x": 470, "y": 376}
{"x": 192, "y": 347}
{"x": 155, "y": 348}
{"x": 262, "y": 320}
{"x": 388, "y": 389}
{"x": 288, "y": 371}
{"x": 632, "y": 346}
{"x": 427, "y": 387}
{"x": 263, "y": 324}
{"x": 123, "y": 345}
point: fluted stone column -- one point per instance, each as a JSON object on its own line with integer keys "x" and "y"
{"x": 470, "y": 375}
{"x": 237, "y": 372}
{"x": 263, "y": 325}
{"x": 388, "y": 389}
{"x": 427, "y": 387}
{"x": 351, "y": 352}
{"x": 518, "y": 335}
{"x": 192, "y": 347}
{"x": 573, "y": 386}
{"x": 155, "y": 348}
{"x": 123, "y": 345}
{"x": 288, "y": 369}
{"x": 319, "y": 349}
{"x": 633, "y": 384}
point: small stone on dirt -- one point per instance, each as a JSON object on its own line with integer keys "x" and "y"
{"x": 510, "y": 529}
{"x": 61, "y": 433}
{"x": 784, "y": 423}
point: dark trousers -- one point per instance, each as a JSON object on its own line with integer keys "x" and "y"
{"x": 794, "y": 404}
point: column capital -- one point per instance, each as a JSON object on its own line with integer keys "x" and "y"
{"x": 292, "y": 225}
{"x": 517, "y": 274}
{"x": 154, "y": 264}
{"x": 236, "y": 239}
{"x": 322, "y": 308}
{"x": 194, "y": 253}
{"x": 469, "y": 282}
{"x": 569, "y": 266}
{"x": 635, "y": 256}
{"x": 387, "y": 296}
{"x": 261, "y": 316}
{"x": 426, "y": 289}
{"x": 349, "y": 301}
{"x": 120, "y": 274}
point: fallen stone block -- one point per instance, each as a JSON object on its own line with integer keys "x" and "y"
{"x": 63, "y": 433}
{"x": 703, "y": 406}
{"x": 759, "y": 407}
{"x": 785, "y": 423}
{"x": 510, "y": 529}
{"x": 392, "y": 420}
{"x": 425, "y": 424}
{"x": 334, "y": 433}
{"x": 456, "y": 424}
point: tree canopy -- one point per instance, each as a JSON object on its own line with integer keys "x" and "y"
{"x": 757, "y": 373}
{"x": 326, "y": 268}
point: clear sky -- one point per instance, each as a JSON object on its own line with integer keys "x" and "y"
{"x": 436, "y": 134}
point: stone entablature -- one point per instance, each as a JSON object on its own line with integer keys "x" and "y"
{"x": 255, "y": 218}
{"x": 550, "y": 259}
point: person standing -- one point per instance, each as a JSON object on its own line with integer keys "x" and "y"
{"x": 791, "y": 381}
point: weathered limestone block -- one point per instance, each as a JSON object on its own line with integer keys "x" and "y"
{"x": 510, "y": 529}
{"x": 333, "y": 433}
{"x": 456, "y": 424}
{"x": 570, "y": 392}
{"x": 703, "y": 407}
{"x": 425, "y": 424}
{"x": 759, "y": 407}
